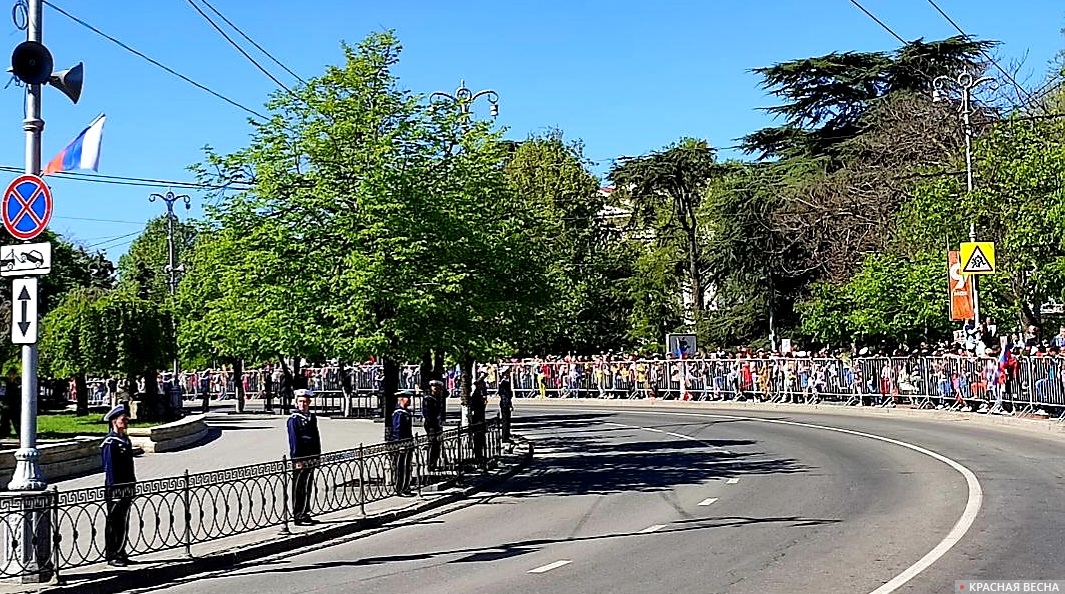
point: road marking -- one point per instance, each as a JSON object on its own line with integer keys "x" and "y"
{"x": 680, "y": 435}
{"x": 732, "y": 481}
{"x": 652, "y": 429}
{"x": 550, "y": 566}
{"x": 651, "y": 529}
{"x": 968, "y": 515}
{"x": 708, "y": 501}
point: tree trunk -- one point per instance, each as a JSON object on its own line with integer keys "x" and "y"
{"x": 696, "y": 275}
{"x": 238, "y": 382}
{"x": 425, "y": 370}
{"x": 83, "y": 395}
{"x": 438, "y": 364}
{"x": 284, "y": 391}
{"x": 389, "y": 387}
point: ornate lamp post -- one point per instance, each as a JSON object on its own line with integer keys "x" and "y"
{"x": 964, "y": 83}
{"x": 172, "y": 267}
{"x": 465, "y": 98}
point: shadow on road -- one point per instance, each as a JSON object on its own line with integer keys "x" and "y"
{"x": 516, "y": 549}
{"x": 580, "y": 454}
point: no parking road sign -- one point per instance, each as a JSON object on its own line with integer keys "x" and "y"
{"x": 27, "y": 207}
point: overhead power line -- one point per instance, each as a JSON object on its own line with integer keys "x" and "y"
{"x": 252, "y": 41}
{"x": 236, "y": 45}
{"x": 985, "y": 54}
{"x": 128, "y": 181}
{"x": 111, "y": 240}
{"x": 153, "y": 61}
{"x": 879, "y": 22}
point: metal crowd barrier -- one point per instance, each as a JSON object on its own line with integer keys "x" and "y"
{"x": 181, "y": 511}
{"x": 325, "y": 382}
{"x": 924, "y": 381}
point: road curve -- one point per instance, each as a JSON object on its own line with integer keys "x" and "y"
{"x": 715, "y": 500}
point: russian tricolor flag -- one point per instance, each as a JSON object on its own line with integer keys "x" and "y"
{"x": 83, "y": 153}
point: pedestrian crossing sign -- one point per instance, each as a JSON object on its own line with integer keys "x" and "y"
{"x": 978, "y": 257}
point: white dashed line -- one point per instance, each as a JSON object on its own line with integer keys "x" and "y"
{"x": 651, "y": 529}
{"x": 732, "y": 481}
{"x": 550, "y": 566}
{"x": 708, "y": 501}
{"x": 653, "y": 430}
{"x": 968, "y": 516}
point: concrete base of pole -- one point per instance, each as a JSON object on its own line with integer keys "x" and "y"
{"x": 27, "y": 537}
{"x": 27, "y": 475}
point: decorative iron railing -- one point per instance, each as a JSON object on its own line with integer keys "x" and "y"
{"x": 48, "y": 532}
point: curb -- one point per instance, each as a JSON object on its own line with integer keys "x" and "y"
{"x": 1046, "y": 427}
{"x": 160, "y": 573}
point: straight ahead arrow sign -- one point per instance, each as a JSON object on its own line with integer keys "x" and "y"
{"x": 24, "y": 316}
{"x": 24, "y": 298}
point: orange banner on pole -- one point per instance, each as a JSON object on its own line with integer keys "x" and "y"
{"x": 961, "y": 295}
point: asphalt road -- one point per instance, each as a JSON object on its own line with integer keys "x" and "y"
{"x": 646, "y": 502}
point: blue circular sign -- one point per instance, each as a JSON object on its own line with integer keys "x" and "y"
{"x": 27, "y": 207}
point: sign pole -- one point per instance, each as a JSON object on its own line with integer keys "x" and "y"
{"x": 27, "y": 475}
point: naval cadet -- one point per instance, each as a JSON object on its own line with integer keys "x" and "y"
{"x": 402, "y": 436}
{"x": 431, "y": 404}
{"x": 119, "y": 485}
{"x": 304, "y": 447}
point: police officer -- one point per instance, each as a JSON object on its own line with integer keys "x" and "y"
{"x": 402, "y": 434}
{"x": 506, "y": 402}
{"x": 431, "y": 404}
{"x": 119, "y": 485}
{"x": 304, "y": 447}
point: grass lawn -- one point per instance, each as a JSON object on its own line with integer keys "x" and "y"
{"x": 64, "y": 425}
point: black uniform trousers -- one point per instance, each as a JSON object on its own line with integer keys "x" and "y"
{"x": 434, "y": 437}
{"x": 477, "y": 431}
{"x": 119, "y": 500}
{"x": 504, "y": 417}
{"x": 302, "y": 489}
{"x": 401, "y": 465}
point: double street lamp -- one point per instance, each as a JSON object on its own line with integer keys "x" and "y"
{"x": 943, "y": 86}
{"x": 172, "y": 267}
{"x": 464, "y": 99}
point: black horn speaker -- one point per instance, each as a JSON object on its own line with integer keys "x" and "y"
{"x": 31, "y": 62}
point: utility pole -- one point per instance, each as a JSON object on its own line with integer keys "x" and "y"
{"x": 964, "y": 82}
{"x": 27, "y": 475}
{"x": 172, "y": 267}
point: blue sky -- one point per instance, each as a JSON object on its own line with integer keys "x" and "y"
{"x": 626, "y": 77}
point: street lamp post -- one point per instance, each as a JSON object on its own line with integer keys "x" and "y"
{"x": 465, "y": 98}
{"x": 965, "y": 83}
{"x": 172, "y": 266}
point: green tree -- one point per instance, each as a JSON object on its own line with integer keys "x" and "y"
{"x": 664, "y": 190}
{"x": 582, "y": 256}
{"x": 371, "y": 225}
{"x": 72, "y": 343}
{"x": 145, "y": 264}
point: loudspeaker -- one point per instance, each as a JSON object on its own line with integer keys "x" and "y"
{"x": 69, "y": 81}
{"x": 31, "y": 62}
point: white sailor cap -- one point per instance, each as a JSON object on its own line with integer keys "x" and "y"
{"x": 302, "y": 392}
{"x": 115, "y": 412}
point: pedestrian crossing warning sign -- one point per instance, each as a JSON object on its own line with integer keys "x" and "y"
{"x": 978, "y": 257}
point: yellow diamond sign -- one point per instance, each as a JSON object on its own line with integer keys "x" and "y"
{"x": 978, "y": 257}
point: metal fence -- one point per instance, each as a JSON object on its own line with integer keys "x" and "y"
{"x": 68, "y": 527}
{"x": 327, "y": 384}
{"x": 947, "y": 381}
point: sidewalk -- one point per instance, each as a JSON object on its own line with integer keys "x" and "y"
{"x": 247, "y": 439}
{"x": 236, "y": 439}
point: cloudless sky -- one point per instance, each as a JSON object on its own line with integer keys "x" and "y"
{"x": 625, "y": 77}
